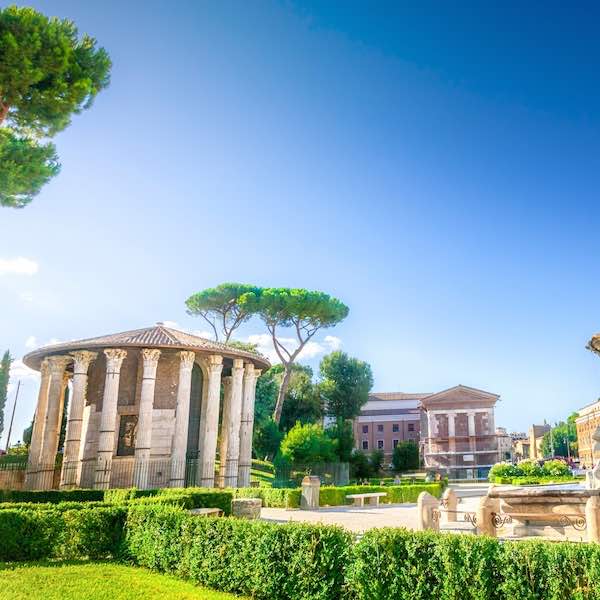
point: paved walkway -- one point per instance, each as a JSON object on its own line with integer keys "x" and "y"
{"x": 360, "y": 519}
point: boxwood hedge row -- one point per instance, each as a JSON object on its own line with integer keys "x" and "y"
{"x": 301, "y": 561}
{"x": 255, "y": 558}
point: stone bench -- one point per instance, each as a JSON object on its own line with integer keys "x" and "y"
{"x": 206, "y": 512}
{"x": 372, "y": 497}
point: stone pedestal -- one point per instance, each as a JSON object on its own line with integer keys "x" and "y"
{"x": 449, "y": 504}
{"x": 311, "y": 488}
{"x": 246, "y": 508}
{"x": 426, "y": 518}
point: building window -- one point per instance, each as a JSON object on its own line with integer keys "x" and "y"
{"x": 365, "y": 429}
{"x": 411, "y": 427}
{"x": 380, "y": 428}
{"x": 395, "y": 443}
{"x": 395, "y": 428}
{"x": 365, "y": 445}
{"x": 380, "y": 444}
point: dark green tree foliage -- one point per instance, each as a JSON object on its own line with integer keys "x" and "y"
{"x": 562, "y": 433}
{"x": 302, "y": 404}
{"x": 344, "y": 388}
{"x": 345, "y": 385}
{"x": 304, "y": 312}
{"x": 27, "y": 433}
{"x": 307, "y": 444}
{"x": 63, "y": 423}
{"x": 220, "y": 307}
{"x": 343, "y": 435}
{"x": 47, "y": 74}
{"x": 406, "y": 456}
{"x": 5, "y": 364}
{"x": 25, "y": 167}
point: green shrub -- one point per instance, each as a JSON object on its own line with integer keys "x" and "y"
{"x": 254, "y": 558}
{"x": 121, "y": 495}
{"x": 197, "y": 498}
{"x": 74, "y": 534}
{"x": 396, "y": 494}
{"x": 53, "y": 496}
{"x": 529, "y": 468}
{"x": 556, "y": 468}
{"x": 60, "y": 506}
{"x": 272, "y": 497}
{"x": 403, "y": 565}
{"x": 503, "y": 471}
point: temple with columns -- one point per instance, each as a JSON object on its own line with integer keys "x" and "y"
{"x": 146, "y": 408}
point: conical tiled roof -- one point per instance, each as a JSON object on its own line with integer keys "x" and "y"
{"x": 157, "y": 336}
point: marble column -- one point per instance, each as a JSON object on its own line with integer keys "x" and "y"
{"x": 225, "y": 415}
{"x": 246, "y": 425}
{"x": 230, "y": 427}
{"x": 210, "y": 422}
{"x": 472, "y": 433}
{"x": 37, "y": 433}
{"x": 143, "y": 438}
{"x": 451, "y": 439}
{"x": 182, "y": 419}
{"x": 54, "y": 412}
{"x": 108, "y": 418}
{"x": 82, "y": 360}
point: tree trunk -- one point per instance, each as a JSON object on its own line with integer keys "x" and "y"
{"x": 3, "y": 112}
{"x": 285, "y": 382}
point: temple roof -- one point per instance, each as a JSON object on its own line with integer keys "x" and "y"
{"x": 157, "y": 336}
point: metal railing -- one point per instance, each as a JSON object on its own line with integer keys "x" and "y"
{"x": 116, "y": 473}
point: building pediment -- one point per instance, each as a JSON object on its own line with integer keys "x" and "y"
{"x": 460, "y": 396}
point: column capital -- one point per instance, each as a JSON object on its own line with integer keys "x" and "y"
{"x": 58, "y": 364}
{"x": 82, "y": 359}
{"x": 44, "y": 367}
{"x": 238, "y": 363}
{"x": 187, "y": 359}
{"x": 150, "y": 355}
{"x": 214, "y": 364}
{"x": 114, "y": 359}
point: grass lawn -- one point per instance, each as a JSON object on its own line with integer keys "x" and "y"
{"x": 95, "y": 581}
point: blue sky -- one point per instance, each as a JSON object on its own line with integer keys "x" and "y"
{"x": 436, "y": 167}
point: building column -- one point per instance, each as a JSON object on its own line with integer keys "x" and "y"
{"x": 82, "y": 362}
{"x": 225, "y": 416}
{"x": 230, "y": 426}
{"x": 37, "y": 433}
{"x": 54, "y": 412}
{"x": 182, "y": 419}
{"x": 143, "y": 437}
{"x": 210, "y": 422}
{"x": 108, "y": 419}
{"x": 246, "y": 425}
{"x": 452, "y": 439}
{"x": 429, "y": 437}
{"x": 471, "y": 417}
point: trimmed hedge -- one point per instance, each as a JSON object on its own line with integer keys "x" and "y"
{"x": 272, "y": 497}
{"x": 72, "y": 534}
{"x": 395, "y": 564}
{"x": 542, "y": 480}
{"x": 396, "y": 494}
{"x": 254, "y": 558}
{"x": 306, "y": 562}
{"x": 53, "y": 496}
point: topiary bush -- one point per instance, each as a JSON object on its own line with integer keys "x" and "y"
{"x": 75, "y": 534}
{"x": 396, "y": 494}
{"x": 259, "y": 559}
{"x": 53, "y": 496}
{"x": 272, "y": 497}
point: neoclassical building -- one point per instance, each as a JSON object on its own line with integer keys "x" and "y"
{"x": 147, "y": 408}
